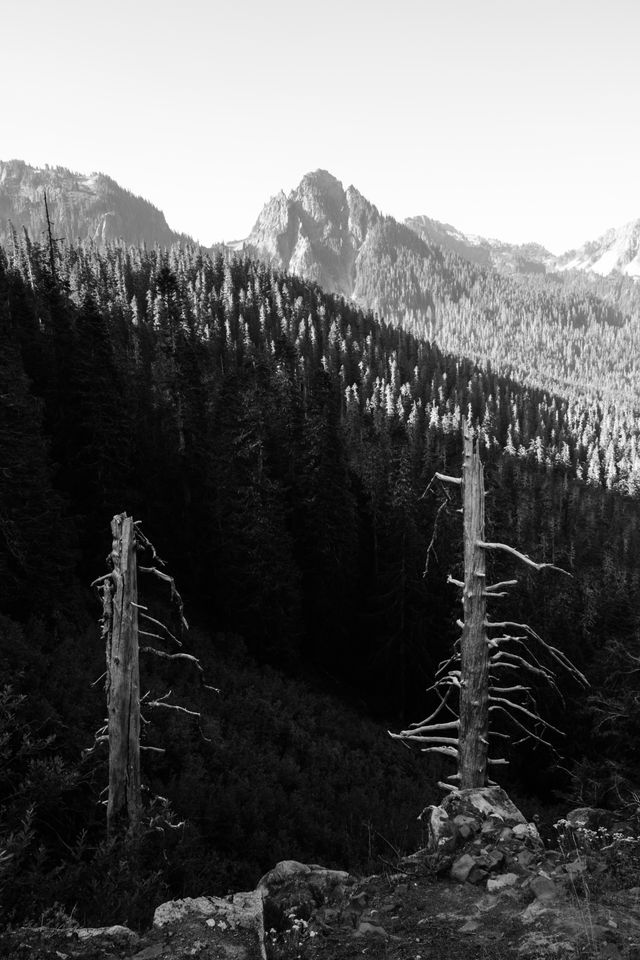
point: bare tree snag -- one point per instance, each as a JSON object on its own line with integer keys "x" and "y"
{"x": 123, "y": 677}
{"x": 478, "y": 657}
{"x": 121, "y": 633}
{"x": 474, "y": 651}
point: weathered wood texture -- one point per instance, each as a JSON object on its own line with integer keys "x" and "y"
{"x": 123, "y": 678}
{"x": 474, "y": 653}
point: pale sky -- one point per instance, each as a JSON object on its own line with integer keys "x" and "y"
{"x": 511, "y": 119}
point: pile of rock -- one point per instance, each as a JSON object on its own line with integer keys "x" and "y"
{"x": 479, "y": 836}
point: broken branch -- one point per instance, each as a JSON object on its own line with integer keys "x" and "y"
{"x": 178, "y": 656}
{"x": 445, "y": 479}
{"x": 521, "y": 556}
{"x": 172, "y": 706}
{"x": 146, "y": 616}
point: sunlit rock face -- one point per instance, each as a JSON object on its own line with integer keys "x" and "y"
{"x": 616, "y": 250}
{"x": 316, "y": 231}
{"x": 81, "y": 207}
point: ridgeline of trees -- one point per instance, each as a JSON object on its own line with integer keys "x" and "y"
{"x": 573, "y": 332}
{"x": 276, "y": 443}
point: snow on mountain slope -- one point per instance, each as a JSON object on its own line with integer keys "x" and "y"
{"x": 617, "y": 249}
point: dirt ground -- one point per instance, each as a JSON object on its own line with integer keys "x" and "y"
{"x": 386, "y": 917}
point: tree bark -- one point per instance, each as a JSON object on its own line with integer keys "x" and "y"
{"x": 123, "y": 679}
{"x": 474, "y": 652}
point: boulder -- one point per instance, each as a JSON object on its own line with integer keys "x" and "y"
{"x": 442, "y": 831}
{"x": 544, "y": 889}
{"x": 525, "y": 858}
{"x": 483, "y": 804}
{"x": 299, "y": 888}
{"x": 324, "y": 884}
{"x": 465, "y": 827}
{"x": 229, "y": 926}
{"x": 283, "y": 872}
{"x": 495, "y": 884}
{"x": 462, "y": 868}
{"x": 527, "y": 833}
{"x": 491, "y": 860}
{"x": 478, "y": 874}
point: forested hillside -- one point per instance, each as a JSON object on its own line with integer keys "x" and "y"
{"x": 276, "y": 443}
{"x": 571, "y": 332}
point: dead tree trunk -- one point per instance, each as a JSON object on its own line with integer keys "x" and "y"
{"x": 473, "y": 744}
{"x": 120, "y": 633}
{"x": 123, "y": 678}
{"x": 475, "y": 670}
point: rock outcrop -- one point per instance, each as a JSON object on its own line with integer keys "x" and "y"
{"x": 231, "y": 926}
{"x": 82, "y": 207}
{"x": 316, "y": 231}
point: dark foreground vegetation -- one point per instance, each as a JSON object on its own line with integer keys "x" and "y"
{"x": 276, "y": 443}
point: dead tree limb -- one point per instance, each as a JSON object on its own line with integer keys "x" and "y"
{"x": 445, "y": 479}
{"x": 522, "y": 556}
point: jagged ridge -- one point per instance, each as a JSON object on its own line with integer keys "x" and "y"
{"x": 82, "y": 207}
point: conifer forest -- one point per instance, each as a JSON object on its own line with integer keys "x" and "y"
{"x": 278, "y": 446}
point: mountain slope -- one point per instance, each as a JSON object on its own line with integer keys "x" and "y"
{"x": 617, "y": 249}
{"x": 316, "y": 231}
{"x": 491, "y": 302}
{"x": 509, "y": 257}
{"x": 81, "y": 207}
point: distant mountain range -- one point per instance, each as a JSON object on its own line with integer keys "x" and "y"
{"x": 614, "y": 250}
{"x": 569, "y": 323}
{"x": 81, "y": 207}
{"x": 508, "y": 257}
{"x": 319, "y": 229}
{"x": 556, "y": 322}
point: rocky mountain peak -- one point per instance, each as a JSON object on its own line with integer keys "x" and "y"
{"x": 316, "y": 231}
{"x": 320, "y": 180}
